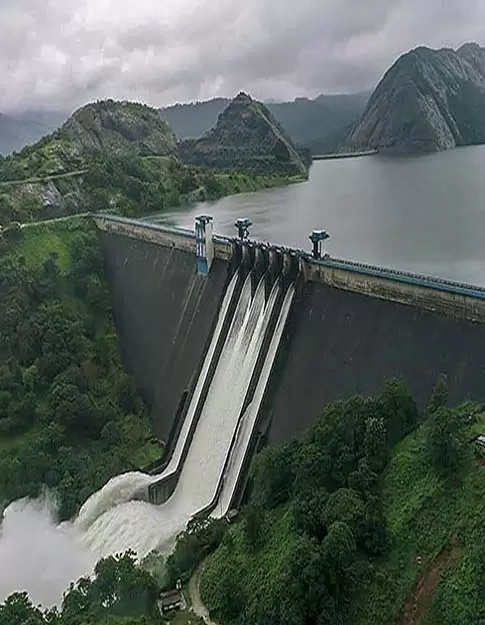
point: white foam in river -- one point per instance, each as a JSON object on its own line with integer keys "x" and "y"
{"x": 41, "y": 556}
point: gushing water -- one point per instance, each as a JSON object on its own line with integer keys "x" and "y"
{"x": 250, "y": 415}
{"x": 118, "y": 490}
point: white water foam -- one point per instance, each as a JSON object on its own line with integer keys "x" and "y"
{"x": 249, "y": 420}
{"x": 118, "y": 490}
{"x": 37, "y": 554}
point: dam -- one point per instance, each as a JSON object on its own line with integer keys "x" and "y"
{"x": 234, "y": 343}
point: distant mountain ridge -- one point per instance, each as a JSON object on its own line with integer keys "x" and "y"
{"x": 309, "y": 122}
{"x": 429, "y": 100}
{"x": 19, "y": 130}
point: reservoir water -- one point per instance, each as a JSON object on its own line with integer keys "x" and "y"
{"x": 423, "y": 214}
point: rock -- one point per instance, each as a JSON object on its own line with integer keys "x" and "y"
{"x": 429, "y": 100}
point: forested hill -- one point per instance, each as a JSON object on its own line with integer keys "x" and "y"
{"x": 118, "y": 129}
{"x": 375, "y": 517}
{"x": 247, "y": 137}
{"x": 117, "y": 156}
{"x": 428, "y": 100}
{"x": 310, "y": 122}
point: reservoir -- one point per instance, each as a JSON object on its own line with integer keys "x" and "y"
{"x": 422, "y": 213}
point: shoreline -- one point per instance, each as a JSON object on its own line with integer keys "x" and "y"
{"x": 336, "y": 155}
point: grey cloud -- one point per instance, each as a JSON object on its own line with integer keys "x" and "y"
{"x": 61, "y": 54}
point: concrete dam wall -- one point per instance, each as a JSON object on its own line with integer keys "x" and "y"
{"x": 350, "y": 328}
{"x": 341, "y": 343}
{"x": 164, "y": 313}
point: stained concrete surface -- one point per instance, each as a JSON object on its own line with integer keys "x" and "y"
{"x": 341, "y": 343}
{"x": 164, "y": 313}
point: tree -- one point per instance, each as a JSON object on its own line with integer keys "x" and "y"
{"x": 399, "y": 410}
{"x": 446, "y": 441}
{"x": 339, "y": 551}
{"x": 273, "y": 476}
{"x": 308, "y": 509}
{"x": 119, "y": 588}
{"x": 345, "y": 505}
{"x": 253, "y": 522}
{"x": 439, "y": 396}
{"x": 18, "y": 610}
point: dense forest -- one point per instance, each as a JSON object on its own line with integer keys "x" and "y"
{"x": 341, "y": 526}
{"x": 119, "y": 593}
{"x": 69, "y": 416}
{"x": 130, "y": 186}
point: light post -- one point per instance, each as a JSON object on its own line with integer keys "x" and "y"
{"x": 317, "y": 237}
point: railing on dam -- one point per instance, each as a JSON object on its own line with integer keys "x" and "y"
{"x": 418, "y": 279}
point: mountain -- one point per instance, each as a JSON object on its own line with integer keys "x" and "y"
{"x": 191, "y": 121}
{"x": 247, "y": 137}
{"x": 17, "y": 131}
{"x": 309, "y": 122}
{"x": 312, "y": 121}
{"x": 123, "y": 156}
{"x": 119, "y": 128}
{"x": 429, "y": 100}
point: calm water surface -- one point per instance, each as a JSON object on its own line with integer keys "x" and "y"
{"x": 424, "y": 214}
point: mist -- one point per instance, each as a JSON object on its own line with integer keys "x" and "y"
{"x": 39, "y": 555}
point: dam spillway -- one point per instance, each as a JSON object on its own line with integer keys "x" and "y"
{"x": 341, "y": 328}
{"x": 202, "y": 472}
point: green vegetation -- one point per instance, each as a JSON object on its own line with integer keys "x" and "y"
{"x": 69, "y": 416}
{"x": 248, "y": 138}
{"x": 356, "y": 524}
{"x": 318, "y": 524}
{"x": 124, "y": 185}
{"x": 133, "y": 187}
{"x": 122, "y": 157}
{"x": 201, "y": 537}
{"x": 119, "y": 593}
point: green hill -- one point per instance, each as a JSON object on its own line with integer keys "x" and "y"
{"x": 309, "y": 122}
{"x": 119, "y": 128}
{"x": 247, "y": 137}
{"x": 429, "y": 100}
{"x": 359, "y": 524}
{"x": 116, "y": 156}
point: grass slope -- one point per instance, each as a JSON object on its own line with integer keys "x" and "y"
{"x": 428, "y": 516}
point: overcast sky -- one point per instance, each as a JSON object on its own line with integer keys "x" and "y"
{"x": 63, "y": 53}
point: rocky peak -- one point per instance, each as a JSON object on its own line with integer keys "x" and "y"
{"x": 428, "y": 100}
{"x": 242, "y": 98}
{"x": 246, "y": 137}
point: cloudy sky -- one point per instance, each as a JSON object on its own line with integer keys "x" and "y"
{"x": 63, "y": 53}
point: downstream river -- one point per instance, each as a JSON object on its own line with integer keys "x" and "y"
{"x": 423, "y": 214}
